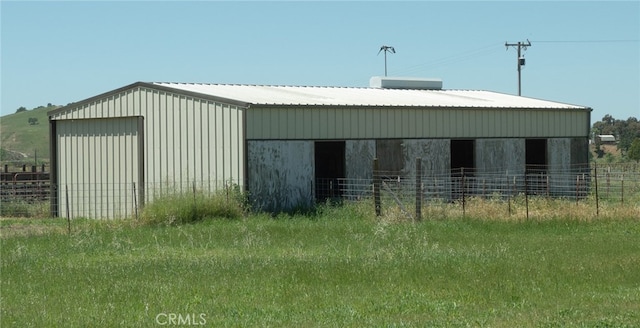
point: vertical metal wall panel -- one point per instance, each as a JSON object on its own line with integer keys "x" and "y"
{"x": 331, "y": 121}
{"x": 197, "y": 147}
{"x": 280, "y": 174}
{"x": 315, "y": 123}
{"x": 219, "y": 144}
{"x": 297, "y": 128}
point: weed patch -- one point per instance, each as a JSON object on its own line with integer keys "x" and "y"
{"x": 181, "y": 208}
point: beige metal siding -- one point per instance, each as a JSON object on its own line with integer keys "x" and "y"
{"x": 381, "y": 123}
{"x": 97, "y": 167}
{"x": 188, "y": 140}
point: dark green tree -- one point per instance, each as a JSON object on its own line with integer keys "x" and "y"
{"x": 634, "y": 150}
{"x": 625, "y": 131}
{"x": 21, "y": 109}
{"x": 33, "y": 121}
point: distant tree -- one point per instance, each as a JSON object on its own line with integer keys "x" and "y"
{"x": 629, "y": 131}
{"x": 33, "y": 121}
{"x": 49, "y": 104}
{"x": 21, "y": 109}
{"x": 634, "y": 150}
{"x": 625, "y": 131}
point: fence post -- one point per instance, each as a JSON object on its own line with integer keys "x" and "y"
{"x": 313, "y": 192}
{"x": 622, "y": 189}
{"x": 67, "y": 202}
{"x": 463, "y": 187}
{"x": 509, "y": 195}
{"x": 418, "y": 189}
{"x": 526, "y": 194}
{"x": 548, "y": 187}
{"x": 331, "y": 189}
{"x": 194, "y": 193}
{"x": 595, "y": 175}
{"x": 484, "y": 188}
{"x": 376, "y": 187}
{"x": 135, "y": 200}
{"x": 577, "y": 188}
{"x": 608, "y": 177}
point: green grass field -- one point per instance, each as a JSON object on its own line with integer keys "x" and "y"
{"x": 18, "y": 136}
{"x": 339, "y": 267}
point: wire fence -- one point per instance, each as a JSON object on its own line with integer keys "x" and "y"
{"x": 598, "y": 190}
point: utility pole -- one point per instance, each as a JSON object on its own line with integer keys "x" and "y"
{"x": 519, "y": 45}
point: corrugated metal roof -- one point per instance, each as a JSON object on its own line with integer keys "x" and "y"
{"x": 361, "y": 96}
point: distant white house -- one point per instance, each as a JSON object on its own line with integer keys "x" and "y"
{"x": 607, "y": 138}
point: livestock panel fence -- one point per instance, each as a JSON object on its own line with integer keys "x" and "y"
{"x": 579, "y": 191}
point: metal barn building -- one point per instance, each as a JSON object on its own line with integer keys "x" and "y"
{"x": 113, "y": 152}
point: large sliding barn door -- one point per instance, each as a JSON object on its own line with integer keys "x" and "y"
{"x": 99, "y": 167}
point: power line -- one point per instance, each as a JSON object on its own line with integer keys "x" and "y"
{"x": 587, "y": 41}
{"x": 451, "y": 59}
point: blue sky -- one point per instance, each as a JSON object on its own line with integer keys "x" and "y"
{"x": 584, "y": 53}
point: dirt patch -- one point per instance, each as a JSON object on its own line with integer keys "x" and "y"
{"x": 607, "y": 149}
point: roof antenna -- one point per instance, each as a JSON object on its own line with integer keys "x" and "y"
{"x": 386, "y": 49}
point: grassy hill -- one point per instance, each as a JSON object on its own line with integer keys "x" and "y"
{"x": 20, "y": 141}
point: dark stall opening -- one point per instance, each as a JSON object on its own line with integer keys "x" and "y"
{"x": 536, "y": 177}
{"x": 463, "y": 157}
{"x": 536, "y": 155}
{"x": 329, "y": 169}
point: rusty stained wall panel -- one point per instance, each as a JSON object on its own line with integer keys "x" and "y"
{"x": 434, "y": 153}
{"x": 435, "y": 156}
{"x": 559, "y": 154}
{"x": 562, "y": 179}
{"x": 359, "y": 155}
{"x": 390, "y": 156}
{"x": 398, "y": 156}
{"x": 500, "y": 156}
{"x": 280, "y": 174}
{"x": 580, "y": 151}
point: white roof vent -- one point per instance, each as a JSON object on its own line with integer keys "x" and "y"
{"x": 385, "y": 82}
